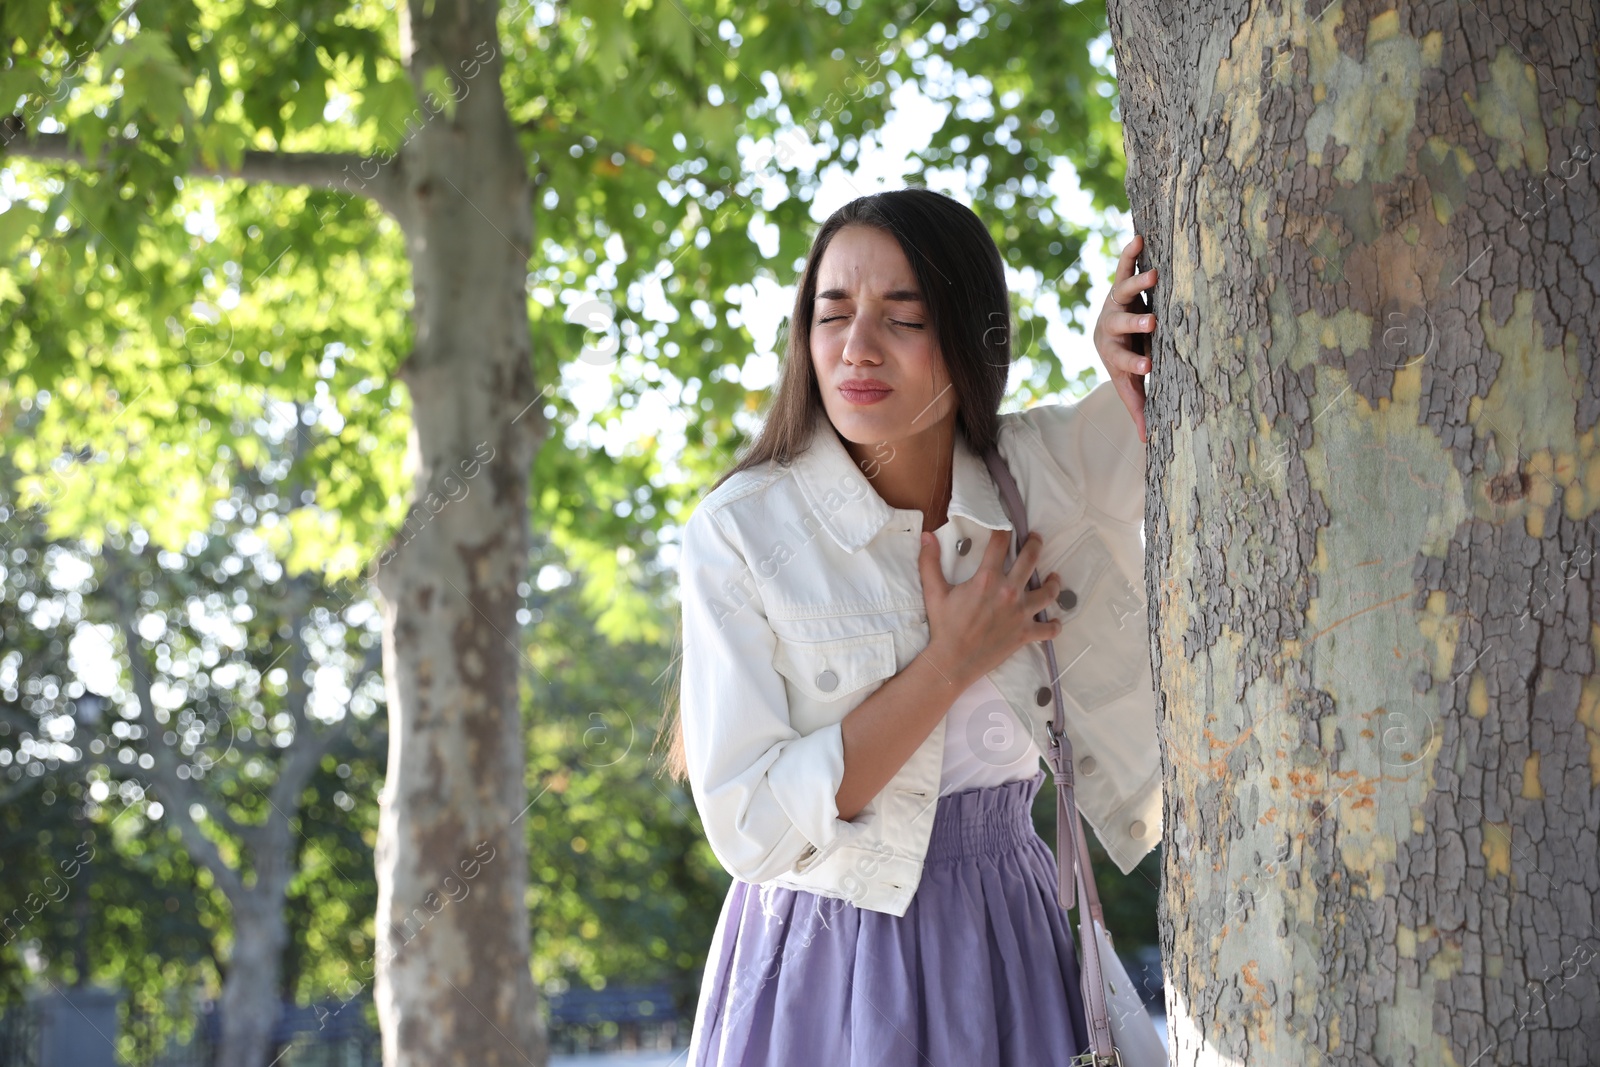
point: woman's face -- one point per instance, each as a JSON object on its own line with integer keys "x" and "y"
{"x": 869, "y": 321}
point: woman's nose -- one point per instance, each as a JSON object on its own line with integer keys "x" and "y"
{"x": 861, "y": 343}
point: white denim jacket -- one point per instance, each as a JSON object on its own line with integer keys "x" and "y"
{"x": 801, "y": 595}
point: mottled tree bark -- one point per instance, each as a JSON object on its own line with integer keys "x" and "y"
{"x": 1374, "y": 478}
{"x": 453, "y": 981}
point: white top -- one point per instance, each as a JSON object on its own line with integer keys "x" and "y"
{"x": 984, "y": 744}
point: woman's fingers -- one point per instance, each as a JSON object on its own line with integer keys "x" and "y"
{"x": 1127, "y": 263}
{"x": 994, "y": 553}
{"x": 1120, "y": 329}
{"x": 1129, "y": 286}
{"x": 1022, "y": 565}
{"x": 1042, "y": 598}
{"x": 1131, "y": 389}
{"x": 1121, "y": 360}
{"x": 1027, "y": 560}
{"x": 1126, "y": 322}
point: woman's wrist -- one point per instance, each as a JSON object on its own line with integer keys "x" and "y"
{"x": 951, "y": 667}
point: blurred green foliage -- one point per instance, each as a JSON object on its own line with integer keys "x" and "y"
{"x": 153, "y": 316}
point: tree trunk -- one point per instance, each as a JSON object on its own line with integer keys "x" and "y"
{"x": 250, "y": 1001}
{"x": 453, "y": 981}
{"x": 1373, "y": 478}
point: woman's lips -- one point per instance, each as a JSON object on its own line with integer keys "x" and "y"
{"x": 859, "y": 395}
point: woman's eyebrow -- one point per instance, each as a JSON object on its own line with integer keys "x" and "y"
{"x": 910, "y": 296}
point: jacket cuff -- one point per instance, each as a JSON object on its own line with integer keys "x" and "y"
{"x": 805, "y": 780}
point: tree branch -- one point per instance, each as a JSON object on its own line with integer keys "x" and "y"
{"x": 307, "y": 752}
{"x": 18, "y": 787}
{"x": 299, "y": 692}
{"x": 178, "y": 792}
{"x": 378, "y": 177}
{"x": 301, "y": 763}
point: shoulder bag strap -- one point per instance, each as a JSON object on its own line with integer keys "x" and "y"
{"x": 1071, "y": 848}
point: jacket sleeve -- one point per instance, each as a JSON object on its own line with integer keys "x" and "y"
{"x": 1096, "y": 442}
{"x": 765, "y": 793}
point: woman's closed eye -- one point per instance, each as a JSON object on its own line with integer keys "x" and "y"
{"x": 896, "y": 322}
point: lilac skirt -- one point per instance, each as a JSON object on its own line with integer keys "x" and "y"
{"x": 981, "y": 971}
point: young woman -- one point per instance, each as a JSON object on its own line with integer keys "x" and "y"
{"x": 863, "y": 693}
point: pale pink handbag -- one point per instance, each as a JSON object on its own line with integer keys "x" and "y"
{"x": 1121, "y": 1033}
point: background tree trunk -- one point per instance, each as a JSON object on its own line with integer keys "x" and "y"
{"x": 260, "y": 861}
{"x": 1374, "y": 472}
{"x": 250, "y": 998}
{"x": 453, "y": 983}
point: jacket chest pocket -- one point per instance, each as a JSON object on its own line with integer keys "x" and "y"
{"x": 1101, "y": 651}
{"x": 827, "y": 672}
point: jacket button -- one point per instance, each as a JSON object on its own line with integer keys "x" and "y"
{"x": 1043, "y": 696}
{"x": 1067, "y": 599}
{"x": 1137, "y": 829}
{"x": 1088, "y": 766}
{"x": 827, "y": 681}
{"x": 963, "y": 545}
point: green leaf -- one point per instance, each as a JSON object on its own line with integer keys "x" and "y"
{"x": 671, "y": 28}
{"x": 220, "y": 142}
{"x": 608, "y": 47}
{"x": 152, "y": 78}
{"x": 437, "y": 82}
{"x": 89, "y": 134}
{"x": 388, "y": 104}
{"x": 309, "y": 103}
{"x": 15, "y": 223}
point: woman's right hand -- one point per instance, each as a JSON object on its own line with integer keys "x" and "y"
{"x": 976, "y": 625}
{"x": 1118, "y": 330}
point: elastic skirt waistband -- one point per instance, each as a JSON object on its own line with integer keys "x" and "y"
{"x": 984, "y": 819}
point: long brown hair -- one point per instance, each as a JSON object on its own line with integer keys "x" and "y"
{"x": 963, "y": 284}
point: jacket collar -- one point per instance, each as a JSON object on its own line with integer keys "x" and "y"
{"x": 851, "y": 510}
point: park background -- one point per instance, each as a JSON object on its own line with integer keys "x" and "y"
{"x": 205, "y": 454}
